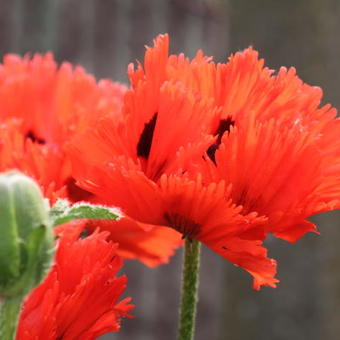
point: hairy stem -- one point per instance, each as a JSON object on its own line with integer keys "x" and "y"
{"x": 189, "y": 296}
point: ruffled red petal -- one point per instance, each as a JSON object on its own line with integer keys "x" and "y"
{"x": 59, "y": 306}
{"x": 148, "y": 243}
{"x": 249, "y": 255}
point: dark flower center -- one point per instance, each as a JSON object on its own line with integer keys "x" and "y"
{"x": 145, "y": 140}
{"x": 224, "y": 126}
{"x": 34, "y": 138}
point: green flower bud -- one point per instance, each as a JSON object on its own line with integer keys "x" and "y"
{"x": 26, "y": 239}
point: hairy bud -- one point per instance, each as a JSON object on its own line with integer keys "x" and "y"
{"x": 26, "y": 239}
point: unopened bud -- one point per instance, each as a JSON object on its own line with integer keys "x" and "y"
{"x": 26, "y": 239}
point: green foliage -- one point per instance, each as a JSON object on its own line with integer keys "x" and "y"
{"x": 63, "y": 213}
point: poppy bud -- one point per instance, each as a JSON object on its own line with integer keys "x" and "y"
{"x": 26, "y": 239}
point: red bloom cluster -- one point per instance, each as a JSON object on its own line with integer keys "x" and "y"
{"x": 84, "y": 274}
{"x": 42, "y": 109}
{"x": 223, "y": 153}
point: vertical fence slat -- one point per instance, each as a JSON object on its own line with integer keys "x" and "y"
{"x": 16, "y": 25}
{"x": 7, "y": 24}
{"x": 75, "y": 41}
{"x": 112, "y": 50}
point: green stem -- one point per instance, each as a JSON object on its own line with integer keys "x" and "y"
{"x": 189, "y": 296}
{"x": 9, "y": 315}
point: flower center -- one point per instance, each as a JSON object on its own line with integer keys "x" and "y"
{"x": 185, "y": 226}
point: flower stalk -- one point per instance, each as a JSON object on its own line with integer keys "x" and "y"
{"x": 9, "y": 315}
{"x": 189, "y": 293}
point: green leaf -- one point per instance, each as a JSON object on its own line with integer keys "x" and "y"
{"x": 60, "y": 213}
{"x": 59, "y": 209}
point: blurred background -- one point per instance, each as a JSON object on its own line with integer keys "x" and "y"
{"x": 104, "y": 36}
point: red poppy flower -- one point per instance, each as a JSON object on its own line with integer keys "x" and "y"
{"x": 42, "y": 107}
{"x": 206, "y": 149}
{"x": 281, "y": 151}
{"x": 287, "y": 174}
{"x": 146, "y": 162}
{"x": 59, "y": 307}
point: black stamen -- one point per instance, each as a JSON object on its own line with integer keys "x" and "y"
{"x": 224, "y": 126}
{"x": 30, "y": 135}
{"x": 145, "y": 140}
{"x": 211, "y": 152}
